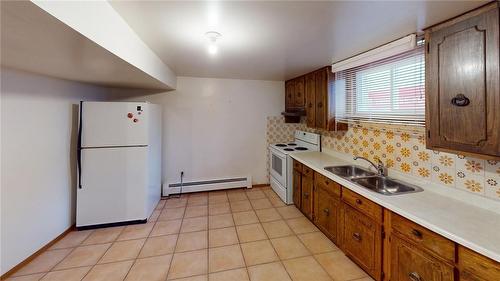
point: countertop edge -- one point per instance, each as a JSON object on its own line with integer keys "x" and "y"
{"x": 366, "y": 193}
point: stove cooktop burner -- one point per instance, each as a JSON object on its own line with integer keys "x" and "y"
{"x": 300, "y": 148}
{"x": 280, "y": 144}
{"x": 292, "y": 144}
{"x": 288, "y": 149}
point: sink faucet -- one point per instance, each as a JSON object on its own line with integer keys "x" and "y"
{"x": 381, "y": 169}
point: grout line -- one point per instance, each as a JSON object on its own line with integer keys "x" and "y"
{"x": 208, "y": 242}
{"x": 176, "y": 241}
{"x": 116, "y": 241}
{"x": 83, "y": 245}
{"x": 280, "y": 261}
{"x": 239, "y": 242}
{"x": 154, "y": 223}
{"x": 145, "y": 241}
{"x": 91, "y": 266}
{"x": 70, "y": 252}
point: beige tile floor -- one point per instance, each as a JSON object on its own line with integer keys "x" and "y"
{"x": 241, "y": 234}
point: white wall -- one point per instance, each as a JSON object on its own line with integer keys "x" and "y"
{"x": 215, "y": 128}
{"x": 38, "y": 145}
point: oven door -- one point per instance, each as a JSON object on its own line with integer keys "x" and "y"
{"x": 277, "y": 163}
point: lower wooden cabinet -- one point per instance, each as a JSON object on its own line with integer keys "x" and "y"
{"x": 326, "y": 210}
{"x": 475, "y": 267}
{"x": 409, "y": 262}
{"x": 306, "y": 204}
{"x": 423, "y": 238}
{"x": 410, "y": 252}
{"x": 362, "y": 241}
{"x": 297, "y": 191}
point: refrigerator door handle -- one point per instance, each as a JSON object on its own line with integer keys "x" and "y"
{"x": 79, "y": 148}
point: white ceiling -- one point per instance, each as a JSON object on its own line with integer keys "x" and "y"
{"x": 275, "y": 40}
{"x": 34, "y": 41}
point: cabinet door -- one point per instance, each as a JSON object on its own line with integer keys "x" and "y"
{"x": 408, "y": 262}
{"x": 289, "y": 94}
{"x": 299, "y": 96}
{"x": 321, "y": 98}
{"x": 467, "y": 276}
{"x": 307, "y": 195}
{"x": 462, "y": 85}
{"x": 327, "y": 208}
{"x": 363, "y": 241}
{"x": 475, "y": 267}
{"x": 297, "y": 191}
{"x": 311, "y": 100}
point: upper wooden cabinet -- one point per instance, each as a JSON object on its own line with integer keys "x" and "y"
{"x": 320, "y": 100}
{"x": 310, "y": 89}
{"x": 299, "y": 99}
{"x": 294, "y": 99}
{"x": 463, "y": 83}
{"x": 313, "y": 94}
{"x": 322, "y": 96}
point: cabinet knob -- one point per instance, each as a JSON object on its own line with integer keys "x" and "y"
{"x": 306, "y": 194}
{"x": 327, "y": 212}
{"x": 356, "y": 236}
{"x": 416, "y": 233}
{"x": 320, "y": 104}
{"x": 460, "y": 100}
{"x": 359, "y": 202}
{"x": 414, "y": 276}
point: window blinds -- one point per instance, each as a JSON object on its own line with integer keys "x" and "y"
{"x": 389, "y": 90}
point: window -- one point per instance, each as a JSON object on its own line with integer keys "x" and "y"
{"x": 390, "y": 90}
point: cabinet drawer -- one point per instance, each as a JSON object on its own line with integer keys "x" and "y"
{"x": 472, "y": 264}
{"x": 362, "y": 204}
{"x": 411, "y": 263}
{"x": 297, "y": 166}
{"x": 308, "y": 172}
{"x": 424, "y": 237}
{"x": 330, "y": 186}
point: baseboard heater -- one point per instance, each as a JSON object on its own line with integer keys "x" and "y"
{"x": 207, "y": 185}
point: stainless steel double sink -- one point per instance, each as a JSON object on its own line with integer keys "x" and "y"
{"x": 372, "y": 181}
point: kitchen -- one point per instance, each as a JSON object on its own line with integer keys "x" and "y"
{"x": 260, "y": 121}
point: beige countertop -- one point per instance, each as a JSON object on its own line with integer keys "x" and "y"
{"x": 466, "y": 224}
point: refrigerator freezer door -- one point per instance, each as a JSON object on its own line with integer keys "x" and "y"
{"x": 114, "y": 124}
{"x": 114, "y": 186}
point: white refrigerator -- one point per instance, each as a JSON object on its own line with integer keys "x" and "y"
{"x": 119, "y": 163}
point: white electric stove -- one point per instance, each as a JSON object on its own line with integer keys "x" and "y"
{"x": 281, "y": 166}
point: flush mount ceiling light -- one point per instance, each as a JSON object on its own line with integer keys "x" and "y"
{"x": 212, "y": 37}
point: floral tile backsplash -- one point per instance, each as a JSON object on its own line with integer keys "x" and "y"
{"x": 404, "y": 151}
{"x": 278, "y": 131}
